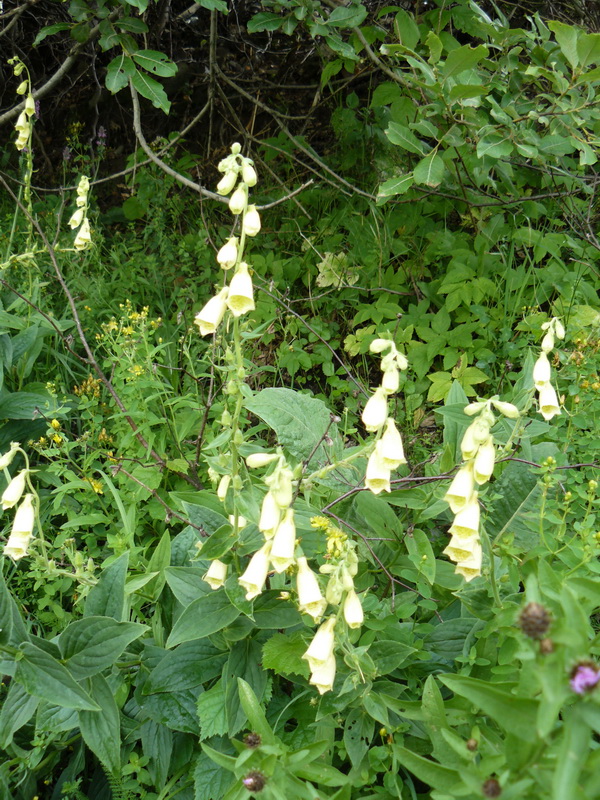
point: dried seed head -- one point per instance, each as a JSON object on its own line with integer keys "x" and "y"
{"x": 546, "y": 647}
{"x": 491, "y": 788}
{"x": 254, "y": 781}
{"x": 472, "y": 745}
{"x": 252, "y": 740}
{"x": 534, "y": 620}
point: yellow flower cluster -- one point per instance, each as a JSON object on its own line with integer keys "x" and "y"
{"x": 238, "y": 176}
{"x": 547, "y": 397}
{"x": 23, "y": 523}
{"x": 389, "y": 451}
{"x": 79, "y": 217}
{"x": 479, "y": 454}
{"x": 23, "y": 125}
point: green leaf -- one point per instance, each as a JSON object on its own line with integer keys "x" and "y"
{"x": 358, "y": 732}
{"x": 406, "y": 29}
{"x": 225, "y": 761}
{"x": 572, "y": 755}
{"x": 91, "y": 644}
{"x": 434, "y": 43}
{"x": 430, "y": 170}
{"x": 187, "y": 583}
{"x": 156, "y": 63}
{"x": 107, "y": 597}
{"x": 186, "y": 667}
{"x": 347, "y": 16}
{"x": 210, "y": 779}
{"x": 141, "y": 5}
{"x": 118, "y": 72}
{"x": 219, "y": 543}
{"x": 394, "y": 186}
{"x": 283, "y": 654}
{"x": 176, "y": 710}
{"x": 131, "y": 25}
{"x": 435, "y": 775}
{"x": 265, "y": 21}
{"x": 256, "y": 717}
{"x": 588, "y": 49}
{"x": 405, "y": 138}
{"x": 215, "y": 5}
{"x": 212, "y": 713}
{"x": 151, "y": 90}
{"x": 50, "y": 30}
{"x": 271, "y": 612}
{"x": 421, "y": 553}
{"x": 463, "y": 58}
{"x": 513, "y": 713}
{"x": 204, "y": 616}
{"x": 388, "y": 655}
{"x": 18, "y": 706}
{"x": 300, "y": 421}
{"x": 26, "y": 405}
{"x": 101, "y": 730}
{"x": 385, "y": 94}
{"x": 567, "y": 37}
{"x": 494, "y": 145}
{"x": 43, "y": 676}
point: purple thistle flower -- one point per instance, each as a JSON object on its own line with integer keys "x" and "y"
{"x": 66, "y": 153}
{"x": 102, "y": 132}
{"x": 37, "y": 109}
{"x": 584, "y": 678}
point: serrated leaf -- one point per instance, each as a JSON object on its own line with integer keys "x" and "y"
{"x": 91, "y": 644}
{"x": 43, "y": 676}
{"x": 151, "y": 90}
{"x": 283, "y": 654}
{"x": 430, "y": 170}
{"x": 210, "y": 779}
{"x": 211, "y": 712}
{"x": 175, "y": 710}
{"x": 155, "y": 62}
{"x": 101, "y": 730}
{"x": 187, "y": 666}
{"x": 18, "y": 706}
{"x": 202, "y": 617}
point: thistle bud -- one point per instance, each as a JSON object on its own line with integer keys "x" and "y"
{"x": 534, "y": 620}
{"x": 254, "y": 781}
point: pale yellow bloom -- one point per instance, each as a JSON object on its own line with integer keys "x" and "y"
{"x": 470, "y": 567}
{"x": 257, "y": 460}
{"x": 216, "y": 574}
{"x": 389, "y": 448}
{"x": 30, "y": 105}
{"x": 507, "y": 409}
{"x": 391, "y": 380}
{"x": 251, "y": 224}
{"x": 270, "y": 515}
{"x": 477, "y": 432}
{"x": 541, "y": 371}
{"x": 461, "y": 548}
{"x": 323, "y": 675}
{"x": 6, "y": 458}
{"x": 353, "y": 611}
{"x": 284, "y": 543}
{"x": 227, "y": 255}
{"x": 483, "y": 467}
{"x": 209, "y": 317}
{"x": 227, "y": 182}
{"x": 310, "y": 599}
{"x": 281, "y": 486}
{"x": 379, "y": 345}
{"x": 241, "y": 521}
{"x": 22, "y": 529}
{"x": 239, "y": 199}
{"x": 241, "y": 294}
{"x": 223, "y": 487}
{"x": 320, "y": 649}
{"x": 548, "y": 342}
{"x": 375, "y": 411}
{"x": 76, "y": 218}
{"x": 466, "y": 522}
{"x": 14, "y": 491}
{"x": 377, "y": 477}
{"x": 461, "y": 489}
{"x": 549, "y": 405}
{"x": 253, "y": 579}
{"x": 248, "y": 172}
{"x": 84, "y": 235}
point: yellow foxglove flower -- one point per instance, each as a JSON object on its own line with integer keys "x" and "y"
{"x": 30, "y": 105}
{"x": 253, "y": 579}
{"x": 548, "y": 342}
{"x": 239, "y": 199}
{"x": 84, "y": 235}
{"x": 22, "y": 529}
{"x": 506, "y": 409}
{"x": 227, "y": 182}
{"x": 476, "y": 433}
{"x": 209, "y": 318}
{"x": 391, "y": 380}
{"x": 471, "y": 567}
{"x": 474, "y": 408}
{"x": 14, "y": 490}
{"x": 320, "y": 649}
{"x": 270, "y": 516}
{"x": 377, "y": 478}
{"x": 22, "y": 87}
{"x": 541, "y": 371}
{"x": 23, "y": 128}
{"x": 353, "y": 611}
{"x": 375, "y": 412}
{"x": 466, "y": 522}
{"x": 389, "y": 448}
{"x": 223, "y": 487}
{"x": 284, "y": 543}
{"x": 257, "y": 460}
{"x": 549, "y": 405}
{"x": 281, "y": 486}
{"x": 379, "y": 345}
{"x": 248, "y": 172}
{"x": 216, "y": 574}
{"x": 461, "y": 489}
{"x": 462, "y": 547}
{"x": 251, "y": 224}
{"x": 6, "y": 458}
{"x": 559, "y": 329}
{"x": 323, "y": 675}
{"x": 227, "y": 255}
{"x": 483, "y": 467}
{"x": 76, "y": 218}
{"x": 240, "y": 299}
{"x": 310, "y": 599}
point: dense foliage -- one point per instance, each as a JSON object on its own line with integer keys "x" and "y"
{"x": 299, "y": 398}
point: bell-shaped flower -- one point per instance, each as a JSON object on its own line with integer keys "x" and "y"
{"x": 391, "y": 380}
{"x": 83, "y": 188}
{"x": 248, "y": 172}
{"x": 541, "y": 371}
{"x": 251, "y": 223}
{"x": 323, "y": 675}
{"x": 23, "y": 128}
{"x": 84, "y": 235}
{"x": 29, "y": 105}
{"x": 223, "y": 487}
{"x": 284, "y": 543}
{"x": 559, "y": 328}
{"x": 548, "y": 342}
{"x": 310, "y": 599}
{"x": 379, "y": 345}
{"x": 474, "y": 408}
{"x": 22, "y": 87}
{"x": 209, "y": 318}
{"x": 240, "y": 299}
{"x": 477, "y": 432}
{"x": 22, "y": 529}
{"x": 227, "y": 255}
{"x": 483, "y": 466}
{"x": 470, "y": 567}
{"x": 389, "y": 448}
{"x": 239, "y": 199}
{"x": 256, "y": 460}
{"x": 462, "y": 547}
{"x": 281, "y": 486}
{"x": 549, "y": 405}
{"x": 253, "y": 579}
{"x": 375, "y": 411}
{"x": 377, "y": 477}
{"x": 320, "y": 649}
{"x": 461, "y": 489}
{"x": 216, "y": 574}
{"x": 466, "y": 522}
{"x": 227, "y": 182}
{"x": 506, "y": 409}
{"x": 76, "y": 218}
{"x": 270, "y": 516}
{"x": 6, "y": 458}
{"x": 353, "y": 610}
{"x": 14, "y": 491}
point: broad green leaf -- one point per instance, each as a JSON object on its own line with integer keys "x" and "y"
{"x": 463, "y": 58}
{"x": 466, "y": 91}
{"x": 588, "y": 49}
{"x": 347, "y": 16}
{"x": 18, "y": 706}
{"x": 567, "y": 37}
{"x": 271, "y": 612}
{"x": 434, "y": 43}
{"x": 405, "y": 138}
{"x": 283, "y": 654}
{"x": 385, "y": 94}
{"x": 265, "y": 21}
{"x": 388, "y": 655}
{"x": 434, "y": 775}
{"x": 154, "y": 62}
{"x": 43, "y": 676}
{"x": 186, "y": 667}
{"x": 494, "y": 146}
{"x": 215, "y": 5}
{"x": 157, "y": 745}
{"x": 187, "y": 583}
{"x": 151, "y": 90}
{"x": 572, "y": 754}
{"x": 210, "y": 779}
{"x": 141, "y": 5}
{"x": 132, "y": 25}
{"x": 300, "y": 421}
{"x": 358, "y": 732}
{"x": 430, "y": 170}
{"x": 406, "y": 29}
{"x": 50, "y": 30}
{"x": 204, "y": 616}
{"x": 219, "y": 543}
{"x": 394, "y": 186}
{"x": 515, "y": 714}
{"x": 101, "y": 730}
{"x": 107, "y": 597}
{"x": 118, "y": 72}
{"x": 256, "y": 716}
{"x": 212, "y": 713}
{"x": 176, "y": 710}
{"x": 26, "y": 405}
{"x": 421, "y": 553}
{"x": 91, "y": 644}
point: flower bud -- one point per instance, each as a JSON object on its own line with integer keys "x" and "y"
{"x": 559, "y": 329}
{"x": 506, "y": 409}
{"x": 254, "y": 781}
{"x": 379, "y": 345}
{"x": 248, "y": 172}
{"x": 223, "y": 487}
{"x": 240, "y": 299}
{"x": 6, "y": 458}
{"x": 270, "y": 516}
{"x": 14, "y": 491}
{"x": 227, "y": 182}
{"x": 353, "y": 611}
{"x": 485, "y": 459}
{"x": 281, "y": 486}
{"x": 257, "y": 460}
{"x": 391, "y": 380}
{"x": 209, "y": 318}
{"x": 251, "y": 223}
{"x": 548, "y": 342}
{"x": 310, "y": 599}
{"x": 216, "y": 574}
{"x": 284, "y": 543}
{"x": 239, "y": 199}
{"x": 253, "y": 579}
{"x": 375, "y": 411}
{"x": 227, "y": 255}
{"x": 534, "y": 620}
{"x": 22, "y": 87}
